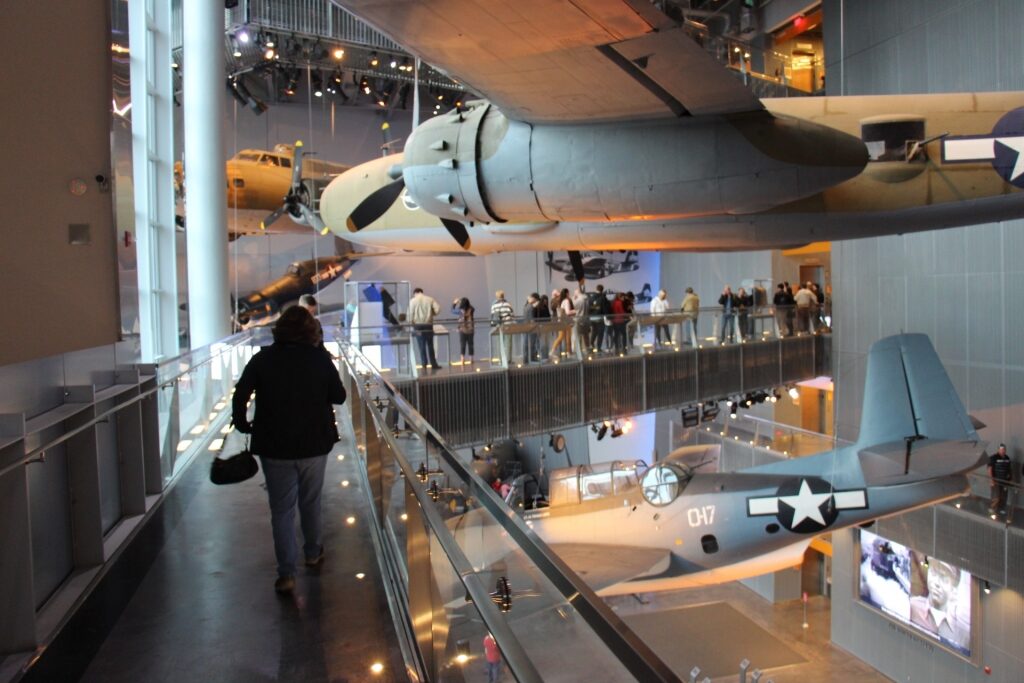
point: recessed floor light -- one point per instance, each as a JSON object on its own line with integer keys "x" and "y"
{"x": 344, "y": 483}
{"x": 376, "y": 667}
{"x": 360, "y": 576}
{"x": 350, "y": 520}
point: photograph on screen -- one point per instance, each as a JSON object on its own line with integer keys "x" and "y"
{"x": 930, "y": 596}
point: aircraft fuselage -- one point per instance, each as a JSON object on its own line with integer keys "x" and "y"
{"x": 608, "y": 187}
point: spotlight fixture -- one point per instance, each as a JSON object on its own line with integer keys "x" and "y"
{"x": 393, "y": 63}
{"x": 316, "y": 80}
{"x": 732, "y": 411}
{"x": 338, "y": 53}
{"x": 374, "y": 60}
{"x": 405, "y": 65}
{"x": 603, "y": 429}
{"x": 293, "y": 82}
{"x": 709, "y": 411}
{"x": 794, "y": 393}
{"x": 690, "y": 416}
{"x": 988, "y": 587}
{"x": 243, "y": 36}
{"x": 364, "y": 85}
{"x": 269, "y": 53}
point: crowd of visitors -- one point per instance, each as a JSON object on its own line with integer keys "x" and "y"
{"x": 602, "y": 321}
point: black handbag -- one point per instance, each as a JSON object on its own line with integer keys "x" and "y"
{"x": 235, "y": 469}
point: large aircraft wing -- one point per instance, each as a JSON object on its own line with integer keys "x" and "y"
{"x": 564, "y": 60}
{"x": 606, "y": 565}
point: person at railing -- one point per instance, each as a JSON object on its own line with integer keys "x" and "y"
{"x": 502, "y": 314}
{"x": 543, "y": 315}
{"x": 293, "y": 430}
{"x": 728, "y": 303}
{"x": 464, "y": 310}
{"x": 597, "y": 308}
{"x": 782, "y": 308}
{"x": 581, "y": 321}
{"x": 805, "y": 303}
{"x": 561, "y": 308}
{"x": 691, "y": 309}
{"x": 660, "y": 306}
{"x": 532, "y": 347}
{"x": 744, "y": 303}
{"x": 1000, "y": 469}
{"x": 421, "y": 312}
{"x": 632, "y": 323}
{"x": 819, "y": 306}
{"x": 618, "y": 318}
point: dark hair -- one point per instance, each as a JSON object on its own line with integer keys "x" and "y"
{"x": 564, "y": 294}
{"x": 297, "y": 326}
{"x": 464, "y": 304}
{"x": 418, "y": 290}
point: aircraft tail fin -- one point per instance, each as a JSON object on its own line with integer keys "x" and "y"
{"x": 907, "y": 394}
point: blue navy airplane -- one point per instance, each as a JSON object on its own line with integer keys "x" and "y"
{"x": 626, "y": 528}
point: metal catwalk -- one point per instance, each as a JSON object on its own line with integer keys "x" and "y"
{"x": 192, "y": 596}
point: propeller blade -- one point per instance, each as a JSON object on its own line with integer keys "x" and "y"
{"x": 313, "y": 220}
{"x": 269, "y": 220}
{"x": 577, "y": 266}
{"x": 375, "y": 205}
{"x": 297, "y": 166}
{"x": 458, "y": 231}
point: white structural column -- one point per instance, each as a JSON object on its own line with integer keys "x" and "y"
{"x": 205, "y": 179}
{"x": 152, "y": 115}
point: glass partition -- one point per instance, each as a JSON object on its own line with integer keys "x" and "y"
{"x": 468, "y": 566}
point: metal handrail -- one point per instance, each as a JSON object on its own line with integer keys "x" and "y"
{"x": 37, "y": 454}
{"x": 627, "y": 647}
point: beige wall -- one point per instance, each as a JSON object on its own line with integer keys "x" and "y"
{"x": 55, "y": 70}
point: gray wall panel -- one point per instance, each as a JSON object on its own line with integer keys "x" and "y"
{"x": 974, "y": 543}
{"x": 960, "y": 287}
{"x": 1015, "y": 560}
{"x": 1013, "y": 316}
{"x": 109, "y": 473}
{"x": 951, "y": 326}
{"x": 50, "y": 510}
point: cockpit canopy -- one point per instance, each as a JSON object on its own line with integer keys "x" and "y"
{"x": 574, "y": 485}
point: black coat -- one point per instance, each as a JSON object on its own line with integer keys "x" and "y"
{"x": 295, "y": 387}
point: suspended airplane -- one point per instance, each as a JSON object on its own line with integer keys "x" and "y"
{"x": 302, "y": 277}
{"x": 626, "y": 528}
{"x": 278, "y": 181}
{"x": 608, "y": 127}
{"x": 597, "y": 266}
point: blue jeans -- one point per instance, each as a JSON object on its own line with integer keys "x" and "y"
{"x": 289, "y": 482}
{"x": 425, "y": 345}
{"x": 493, "y": 672}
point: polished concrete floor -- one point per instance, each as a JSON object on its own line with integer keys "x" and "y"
{"x": 192, "y": 598}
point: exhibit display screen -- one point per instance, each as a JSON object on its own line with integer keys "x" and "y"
{"x": 931, "y": 597}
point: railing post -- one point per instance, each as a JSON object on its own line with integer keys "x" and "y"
{"x": 417, "y": 552}
{"x": 18, "y": 625}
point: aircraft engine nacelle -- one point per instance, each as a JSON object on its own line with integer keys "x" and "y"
{"x": 477, "y": 165}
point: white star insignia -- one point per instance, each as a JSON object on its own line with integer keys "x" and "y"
{"x": 806, "y": 504}
{"x": 1017, "y": 145}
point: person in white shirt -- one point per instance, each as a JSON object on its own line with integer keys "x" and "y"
{"x": 660, "y": 306}
{"x": 501, "y": 314}
{"x": 805, "y": 301}
{"x": 422, "y": 309}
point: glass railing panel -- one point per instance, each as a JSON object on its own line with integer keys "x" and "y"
{"x": 483, "y": 540}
